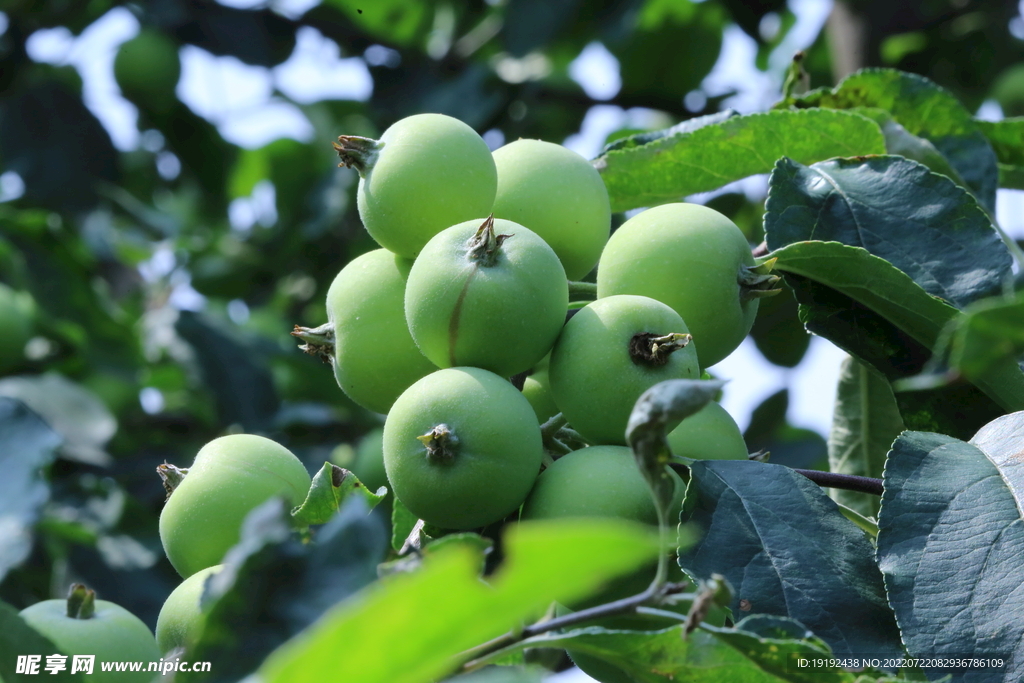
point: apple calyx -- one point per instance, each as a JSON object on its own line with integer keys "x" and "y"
{"x": 654, "y": 350}
{"x": 484, "y": 246}
{"x": 171, "y": 477}
{"x": 441, "y": 443}
{"x": 357, "y": 152}
{"x": 81, "y": 602}
{"x": 319, "y": 341}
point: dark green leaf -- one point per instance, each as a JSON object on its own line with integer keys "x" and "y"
{"x": 27, "y": 445}
{"x": 410, "y": 628}
{"x": 788, "y": 551}
{"x": 204, "y": 154}
{"x": 896, "y": 209}
{"x": 397, "y": 22}
{"x": 1007, "y": 139}
{"x": 56, "y": 145}
{"x": 865, "y": 422}
{"x": 925, "y": 110}
{"x": 709, "y": 157}
{"x": 898, "y": 140}
{"x": 331, "y": 486}
{"x": 261, "y": 36}
{"x": 951, "y": 547}
{"x": 877, "y": 313}
{"x": 21, "y": 639}
{"x": 691, "y": 35}
{"x": 1001, "y": 440}
{"x": 990, "y": 332}
{"x": 273, "y": 586}
{"x": 237, "y": 376}
{"x": 657, "y": 412}
{"x": 529, "y": 24}
{"x": 777, "y": 331}
{"x": 1011, "y": 177}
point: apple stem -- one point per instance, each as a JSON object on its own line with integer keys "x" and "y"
{"x": 582, "y": 291}
{"x": 484, "y": 246}
{"x": 357, "y": 152}
{"x": 171, "y": 477}
{"x": 319, "y": 340}
{"x": 654, "y": 350}
{"x": 81, "y": 602}
{"x": 441, "y": 443}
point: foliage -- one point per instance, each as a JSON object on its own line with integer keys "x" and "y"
{"x": 161, "y": 319}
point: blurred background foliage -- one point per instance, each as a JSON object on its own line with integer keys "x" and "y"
{"x": 147, "y": 289}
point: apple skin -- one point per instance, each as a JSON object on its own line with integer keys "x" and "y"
{"x": 495, "y": 458}
{"x": 112, "y": 633}
{"x": 180, "y": 619}
{"x": 595, "y": 381}
{"x": 689, "y": 257}
{"x": 231, "y": 476}
{"x": 708, "y": 434}
{"x": 559, "y": 195}
{"x": 432, "y": 171}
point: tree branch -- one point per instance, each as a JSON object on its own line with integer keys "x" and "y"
{"x": 623, "y": 606}
{"x": 849, "y": 482}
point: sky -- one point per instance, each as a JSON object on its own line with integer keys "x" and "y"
{"x": 240, "y": 100}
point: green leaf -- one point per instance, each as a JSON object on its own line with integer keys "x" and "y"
{"x": 1011, "y": 177}
{"x": 692, "y": 161}
{"x": 1007, "y": 140}
{"x": 898, "y": 140}
{"x": 234, "y": 370}
{"x": 990, "y": 333}
{"x": 393, "y": 21}
{"x": 328, "y": 491}
{"x": 777, "y": 645}
{"x": 687, "y": 126}
{"x": 82, "y": 420}
{"x": 21, "y": 639}
{"x": 877, "y": 313}
{"x": 921, "y": 222}
{"x": 788, "y": 551}
{"x": 865, "y": 422}
{"x": 951, "y": 546}
{"x": 414, "y": 560}
{"x": 757, "y": 649}
{"x": 693, "y": 37}
{"x": 27, "y": 445}
{"x": 1000, "y": 440}
{"x": 410, "y": 628}
{"x": 925, "y": 110}
{"x": 657, "y": 412}
{"x": 273, "y": 585}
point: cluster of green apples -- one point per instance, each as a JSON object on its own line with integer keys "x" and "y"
{"x": 464, "y": 331}
{"x": 461, "y": 330}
